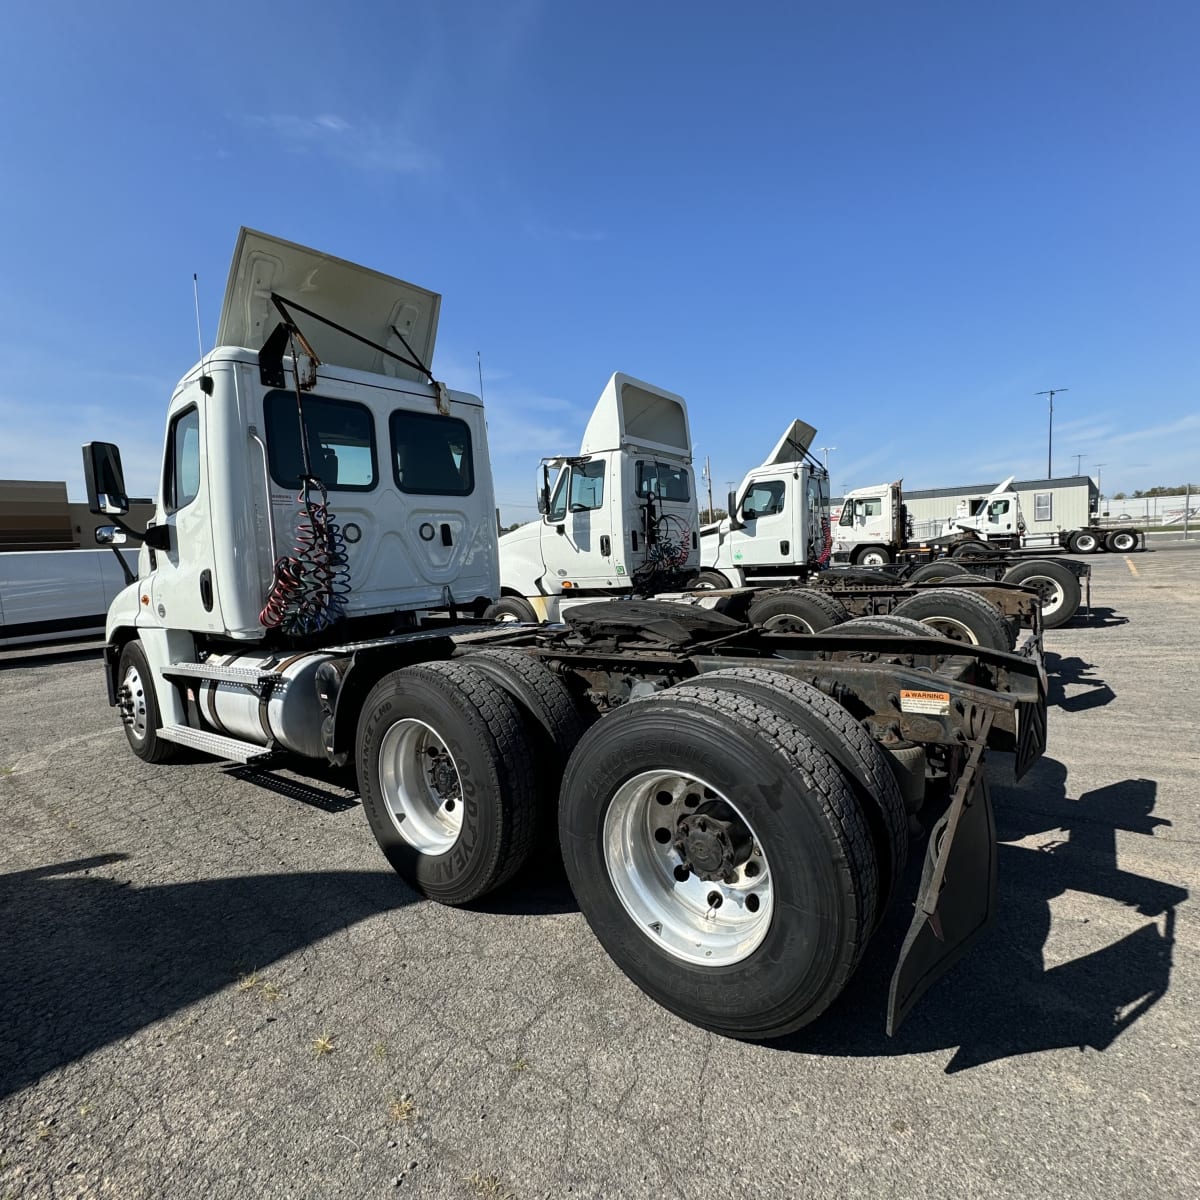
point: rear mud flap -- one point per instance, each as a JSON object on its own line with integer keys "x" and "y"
{"x": 957, "y": 901}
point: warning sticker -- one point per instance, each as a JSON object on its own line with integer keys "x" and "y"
{"x": 936, "y": 703}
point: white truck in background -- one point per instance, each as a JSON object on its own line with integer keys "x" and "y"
{"x": 619, "y": 516}
{"x": 874, "y": 528}
{"x": 777, "y": 527}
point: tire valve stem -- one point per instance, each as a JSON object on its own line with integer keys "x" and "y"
{"x": 714, "y": 901}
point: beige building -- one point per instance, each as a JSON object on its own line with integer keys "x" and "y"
{"x": 35, "y": 514}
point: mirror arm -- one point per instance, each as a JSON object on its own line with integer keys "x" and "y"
{"x": 130, "y": 577}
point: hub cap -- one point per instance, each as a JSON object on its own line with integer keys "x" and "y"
{"x": 421, "y": 786}
{"x": 132, "y": 703}
{"x": 956, "y": 631}
{"x": 688, "y": 869}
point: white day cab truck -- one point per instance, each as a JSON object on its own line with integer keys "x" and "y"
{"x": 619, "y": 519}
{"x": 733, "y": 805}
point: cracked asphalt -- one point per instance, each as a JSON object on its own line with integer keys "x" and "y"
{"x": 211, "y": 985}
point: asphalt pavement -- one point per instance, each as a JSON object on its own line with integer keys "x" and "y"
{"x": 211, "y": 985}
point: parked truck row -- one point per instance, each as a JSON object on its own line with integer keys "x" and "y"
{"x": 731, "y": 799}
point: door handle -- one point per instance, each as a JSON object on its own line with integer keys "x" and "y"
{"x": 206, "y": 591}
{"x": 783, "y": 547}
{"x": 605, "y": 545}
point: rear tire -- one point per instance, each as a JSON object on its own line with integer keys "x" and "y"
{"x": 447, "y": 780}
{"x": 797, "y": 611}
{"x": 139, "y": 706}
{"x": 1057, "y": 587}
{"x": 510, "y": 608}
{"x": 1121, "y": 541}
{"x": 969, "y": 550}
{"x": 746, "y": 968}
{"x": 962, "y": 615}
{"x": 1084, "y": 542}
{"x": 878, "y": 623}
{"x": 934, "y": 572}
{"x": 849, "y": 744}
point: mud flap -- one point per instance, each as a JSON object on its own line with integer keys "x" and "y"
{"x": 957, "y": 901}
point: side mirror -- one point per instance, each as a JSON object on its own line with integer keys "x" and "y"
{"x": 731, "y": 509}
{"x": 104, "y": 478}
{"x": 543, "y": 492}
{"x": 110, "y": 535}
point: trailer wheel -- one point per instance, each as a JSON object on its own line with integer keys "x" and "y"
{"x": 798, "y": 610}
{"x": 708, "y": 580}
{"x": 934, "y": 572}
{"x": 1057, "y": 588}
{"x": 1121, "y": 541}
{"x": 873, "y": 556}
{"x": 510, "y": 608}
{"x": 1084, "y": 541}
{"x": 138, "y": 705}
{"x": 963, "y": 616}
{"x": 447, "y": 779}
{"x": 722, "y": 859}
{"x": 556, "y": 721}
{"x": 849, "y": 744}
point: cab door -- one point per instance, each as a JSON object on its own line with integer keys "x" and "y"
{"x": 577, "y": 529}
{"x": 182, "y": 589}
{"x": 767, "y": 537}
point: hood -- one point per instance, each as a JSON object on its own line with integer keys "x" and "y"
{"x": 358, "y": 298}
{"x": 523, "y": 533}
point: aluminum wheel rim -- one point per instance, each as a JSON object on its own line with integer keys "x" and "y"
{"x": 954, "y": 629}
{"x": 872, "y": 560}
{"x": 1124, "y": 541}
{"x": 678, "y": 914}
{"x": 421, "y": 786}
{"x": 1087, "y": 543}
{"x": 139, "y": 722}
{"x": 788, "y": 623}
{"x": 1050, "y": 592}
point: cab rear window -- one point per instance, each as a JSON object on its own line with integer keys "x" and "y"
{"x": 431, "y": 454}
{"x": 341, "y": 442}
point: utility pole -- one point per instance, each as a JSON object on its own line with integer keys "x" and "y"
{"x": 1079, "y": 462}
{"x": 1099, "y": 487}
{"x": 825, "y": 451}
{"x": 1050, "y": 434}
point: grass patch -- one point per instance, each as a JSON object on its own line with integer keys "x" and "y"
{"x": 489, "y": 1187}
{"x": 323, "y": 1045}
{"x": 403, "y": 1108}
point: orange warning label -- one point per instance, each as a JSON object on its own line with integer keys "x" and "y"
{"x": 935, "y": 703}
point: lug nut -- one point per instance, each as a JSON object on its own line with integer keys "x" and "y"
{"x": 682, "y": 873}
{"x": 714, "y": 899}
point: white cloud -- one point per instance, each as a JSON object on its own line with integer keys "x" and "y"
{"x": 366, "y": 146}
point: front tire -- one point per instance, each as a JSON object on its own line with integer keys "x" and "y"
{"x": 447, "y": 780}
{"x": 657, "y": 797}
{"x": 708, "y": 580}
{"x": 139, "y": 707}
{"x": 510, "y": 608}
{"x": 873, "y": 556}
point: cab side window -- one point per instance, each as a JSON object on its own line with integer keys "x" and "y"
{"x": 587, "y": 485}
{"x": 182, "y": 483}
{"x": 998, "y": 508}
{"x": 764, "y": 499}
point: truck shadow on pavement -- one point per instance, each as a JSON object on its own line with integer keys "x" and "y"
{"x": 1002, "y": 1000}
{"x": 1099, "y": 618}
{"x": 88, "y": 959}
{"x": 1074, "y": 672}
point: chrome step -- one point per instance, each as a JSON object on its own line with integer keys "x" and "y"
{"x": 216, "y": 744}
{"x": 247, "y": 676}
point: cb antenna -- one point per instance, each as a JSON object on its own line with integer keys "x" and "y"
{"x": 479, "y": 364}
{"x": 196, "y": 301}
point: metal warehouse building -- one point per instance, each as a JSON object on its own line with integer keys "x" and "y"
{"x": 1048, "y": 505}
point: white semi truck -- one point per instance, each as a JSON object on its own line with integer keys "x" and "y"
{"x": 732, "y": 805}
{"x": 619, "y": 516}
{"x": 874, "y": 528}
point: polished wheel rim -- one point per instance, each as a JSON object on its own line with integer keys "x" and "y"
{"x": 872, "y": 560}
{"x": 133, "y": 706}
{"x": 688, "y": 868}
{"x": 1050, "y": 591}
{"x": 421, "y": 786}
{"x": 787, "y": 623}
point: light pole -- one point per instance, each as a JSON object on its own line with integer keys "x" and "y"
{"x": 1050, "y": 434}
{"x": 825, "y": 451}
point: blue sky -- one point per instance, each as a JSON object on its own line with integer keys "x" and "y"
{"x": 897, "y": 221}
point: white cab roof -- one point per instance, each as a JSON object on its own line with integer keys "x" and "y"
{"x": 363, "y": 300}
